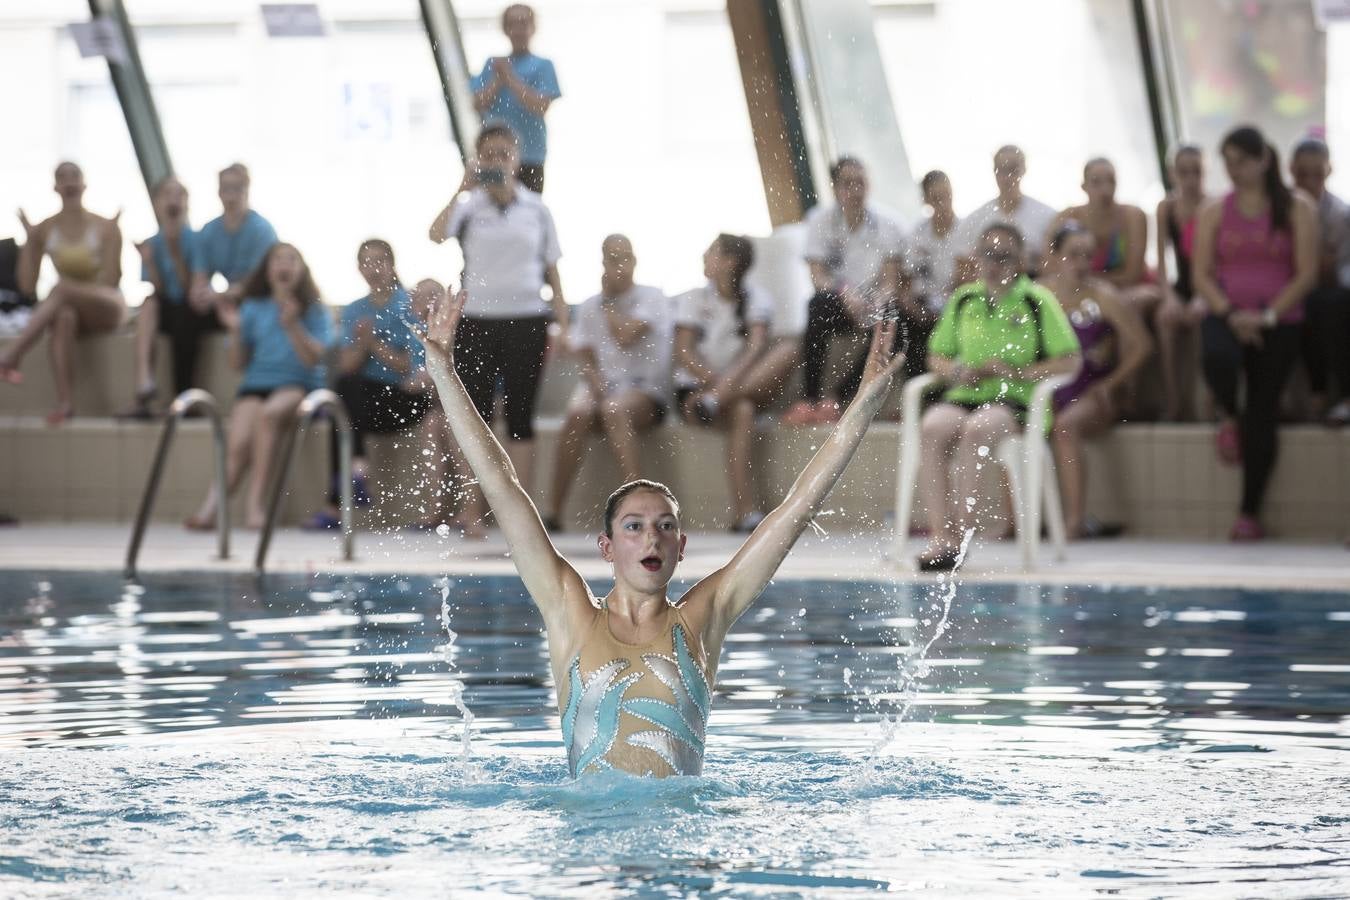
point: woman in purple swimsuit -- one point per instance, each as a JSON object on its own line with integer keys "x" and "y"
{"x": 1115, "y": 344}
{"x": 1255, "y": 260}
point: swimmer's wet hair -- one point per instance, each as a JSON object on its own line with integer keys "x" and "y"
{"x": 632, "y": 487}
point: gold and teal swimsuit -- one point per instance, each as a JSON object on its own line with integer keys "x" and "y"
{"x": 638, "y": 708}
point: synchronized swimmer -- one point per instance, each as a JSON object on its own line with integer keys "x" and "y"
{"x": 635, "y": 670}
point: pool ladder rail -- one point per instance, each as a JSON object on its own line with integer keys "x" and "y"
{"x": 183, "y": 404}
{"x": 314, "y": 403}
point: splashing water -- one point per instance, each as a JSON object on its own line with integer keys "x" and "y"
{"x": 914, "y": 664}
{"x": 447, "y": 652}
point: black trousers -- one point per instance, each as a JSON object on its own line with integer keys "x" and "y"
{"x": 1326, "y": 341}
{"x": 826, "y": 318}
{"x": 1266, "y": 368}
{"x": 185, "y": 328}
{"x": 505, "y": 351}
{"x": 374, "y": 407}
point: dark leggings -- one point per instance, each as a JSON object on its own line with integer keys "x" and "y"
{"x": 1267, "y": 368}
{"x": 827, "y": 317}
{"x": 507, "y": 350}
{"x": 185, "y": 328}
{"x": 374, "y": 407}
{"x": 1326, "y": 341}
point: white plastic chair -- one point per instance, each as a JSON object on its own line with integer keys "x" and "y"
{"x": 1026, "y": 457}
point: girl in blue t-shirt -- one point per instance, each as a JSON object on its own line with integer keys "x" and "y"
{"x": 280, "y": 335}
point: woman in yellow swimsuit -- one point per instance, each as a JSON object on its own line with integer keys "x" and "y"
{"x": 85, "y": 249}
{"x": 634, "y": 670}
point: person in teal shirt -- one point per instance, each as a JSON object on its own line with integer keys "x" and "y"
{"x": 232, "y": 244}
{"x": 377, "y": 356}
{"x": 517, "y": 91}
{"x": 166, "y": 264}
{"x": 996, "y": 338}
{"x": 280, "y": 336}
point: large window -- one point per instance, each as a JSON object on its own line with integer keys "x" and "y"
{"x": 346, "y": 135}
{"x": 59, "y": 106}
{"x": 1060, "y": 78}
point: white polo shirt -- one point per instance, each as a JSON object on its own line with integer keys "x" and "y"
{"x": 854, "y": 258}
{"x": 932, "y": 261}
{"x": 1032, "y": 217}
{"x": 505, "y": 253}
{"x": 713, "y": 317}
{"x": 644, "y": 364}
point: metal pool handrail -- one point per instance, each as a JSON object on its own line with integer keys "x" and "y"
{"x": 314, "y": 403}
{"x": 193, "y": 398}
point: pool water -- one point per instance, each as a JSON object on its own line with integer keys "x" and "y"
{"x": 304, "y": 735}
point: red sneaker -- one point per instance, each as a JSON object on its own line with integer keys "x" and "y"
{"x": 1246, "y": 529}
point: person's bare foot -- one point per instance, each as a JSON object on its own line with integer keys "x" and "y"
{"x": 254, "y": 520}
{"x": 10, "y": 374}
{"x": 59, "y": 416}
{"x": 200, "y": 522}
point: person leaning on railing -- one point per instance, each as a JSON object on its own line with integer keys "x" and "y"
{"x": 997, "y": 337}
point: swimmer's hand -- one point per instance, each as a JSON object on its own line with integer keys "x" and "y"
{"x": 438, "y": 337}
{"x": 884, "y": 359}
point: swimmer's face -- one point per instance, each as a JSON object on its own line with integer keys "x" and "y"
{"x": 647, "y": 543}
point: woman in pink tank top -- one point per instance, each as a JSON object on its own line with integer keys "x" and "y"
{"x": 1255, "y": 260}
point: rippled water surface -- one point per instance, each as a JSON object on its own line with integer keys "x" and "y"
{"x": 303, "y": 735}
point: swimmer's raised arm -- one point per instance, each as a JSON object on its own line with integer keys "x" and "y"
{"x": 730, "y": 590}
{"x": 552, "y": 582}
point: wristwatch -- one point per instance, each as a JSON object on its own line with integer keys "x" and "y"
{"x": 1269, "y": 318}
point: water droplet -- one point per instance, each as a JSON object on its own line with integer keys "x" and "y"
{"x": 442, "y": 530}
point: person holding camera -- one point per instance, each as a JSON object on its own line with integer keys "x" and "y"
{"x": 510, "y": 249}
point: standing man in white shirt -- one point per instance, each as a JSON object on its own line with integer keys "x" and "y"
{"x": 1032, "y": 217}
{"x": 624, "y": 336}
{"x": 855, "y": 254}
{"x": 510, "y": 248}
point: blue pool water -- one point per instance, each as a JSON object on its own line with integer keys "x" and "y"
{"x": 229, "y": 737}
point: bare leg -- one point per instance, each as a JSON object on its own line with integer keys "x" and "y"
{"x": 740, "y": 423}
{"x": 941, "y": 425}
{"x": 571, "y": 443}
{"x": 434, "y": 457}
{"x": 1079, "y": 420}
{"x": 65, "y": 325}
{"x": 768, "y": 376}
{"x": 147, "y": 326}
{"x": 985, "y": 427}
{"x": 239, "y": 441}
{"x": 473, "y": 508}
{"x": 277, "y": 412}
{"x": 622, "y": 418}
{"x": 1173, "y": 328}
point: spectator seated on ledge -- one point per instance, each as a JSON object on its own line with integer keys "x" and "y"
{"x": 1255, "y": 261}
{"x": 231, "y": 245}
{"x": 853, "y": 251}
{"x": 86, "y": 251}
{"x": 1178, "y": 316}
{"x": 1326, "y": 331}
{"x": 167, "y": 261}
{"x": 721, "y": 331}
{"x": 377, "y": 354}
{"x": 1114, "y": 344}
{"x": 623, "y": 337}
{"x": 997, "y": 337}
{"x": 279, "y": 337}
